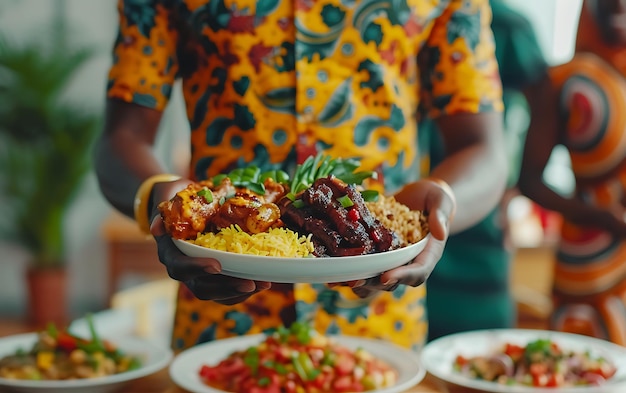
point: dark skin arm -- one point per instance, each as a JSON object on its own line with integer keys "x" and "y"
{"x": 123, "y": 159}
{"x": 543, "y": 136}
{"x": 123, "y": 154}
{"x": 475, "y": 169}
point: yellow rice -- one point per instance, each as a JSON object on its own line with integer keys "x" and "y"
{"x": 277, "y": 242}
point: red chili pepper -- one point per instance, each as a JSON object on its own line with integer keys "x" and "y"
{"x": 353, "y": 214}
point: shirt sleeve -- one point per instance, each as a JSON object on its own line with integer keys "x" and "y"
{"x": 144, "y": 55}
{"x": 459, "y": 71}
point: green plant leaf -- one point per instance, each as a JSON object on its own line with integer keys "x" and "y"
{"x": 45, "y": 144}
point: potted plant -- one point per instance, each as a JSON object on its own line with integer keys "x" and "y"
{"x": 45, "y": 150}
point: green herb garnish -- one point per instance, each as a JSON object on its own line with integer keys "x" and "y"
{"x": 320, "y": 166}
{"x": 345, "y": 201}
{"x": 252, "y": 178}
{"x": 207, "y": 194}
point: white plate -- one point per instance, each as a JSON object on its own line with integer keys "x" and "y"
{"x": 438, "y": 357}
{"x": 310, "y": 270}
{"x": 185, "y": 367}
{"x": 153, "y": 359}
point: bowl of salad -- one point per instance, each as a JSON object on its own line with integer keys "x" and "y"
{"x": 526, "y": 361}
{"x": 56, "y": 360}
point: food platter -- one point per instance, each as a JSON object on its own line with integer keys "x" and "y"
{"x": 184, "y": 369}
{"x": 154, "y": 358}
{"x": 305, "y": 270}
{"x": 438, "y": 357}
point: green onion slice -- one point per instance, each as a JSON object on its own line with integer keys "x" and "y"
{"x": 370, "y": 195}
{"x": 345, "y": 201}
{"x": 207, "y": 194}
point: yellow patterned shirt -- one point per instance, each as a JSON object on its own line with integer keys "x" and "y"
{"x": 271, "y": 82}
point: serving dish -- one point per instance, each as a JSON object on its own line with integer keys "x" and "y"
{"x": 305, "y": 270}
{"x": 438, "y": 357}
{"x": 153, "y": 358}
{"x": 184, "y": 369}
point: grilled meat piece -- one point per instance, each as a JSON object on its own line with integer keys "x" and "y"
{"x": 383, "y": 238}
{"x": 338, "y": 230}
{"x": 326, "y": 240}
{"x": 324, "y": 200}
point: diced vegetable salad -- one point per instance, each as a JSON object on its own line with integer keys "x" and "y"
{"x": 59, "y": 355}
{"x": 298, "y": 360}
{"x": 539, "y": 363}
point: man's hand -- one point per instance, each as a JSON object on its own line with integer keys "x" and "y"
{"x": 435, "y": 200}
{"x": 201, "y": 275}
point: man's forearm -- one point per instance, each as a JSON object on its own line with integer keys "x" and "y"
{"x": 119, "y": 176}
{"x": 478, "y": 178}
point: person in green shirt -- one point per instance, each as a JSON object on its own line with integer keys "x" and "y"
{"x": 469, "y": 289}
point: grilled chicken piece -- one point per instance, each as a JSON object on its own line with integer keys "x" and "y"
{"x": 187, "y": 213}
{"x": 248, "y": 212}
{"x": 190, "y": 213}
{"x": 273, "y": 191}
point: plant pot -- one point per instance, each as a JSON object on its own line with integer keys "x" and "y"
{"x": 47, "y": 296}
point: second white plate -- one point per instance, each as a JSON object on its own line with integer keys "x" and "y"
{"x": 438, "y": 357}
{"x": 154, "y": 358}
{"x": 301, "y": 270}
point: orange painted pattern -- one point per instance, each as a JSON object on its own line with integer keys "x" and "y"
{"x": 590, "y": 270}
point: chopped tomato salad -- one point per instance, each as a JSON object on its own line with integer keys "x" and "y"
{"x": 540, "y": 363}
{"x": 298, "y": 360}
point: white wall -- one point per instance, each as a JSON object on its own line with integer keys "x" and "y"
{"x": 555, "y": 22}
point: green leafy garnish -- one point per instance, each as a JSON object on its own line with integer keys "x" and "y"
{"x": 313, "y": 168}
{"x": 321, "y": 166}
{"x": 217, "y": 179}
{"x": 345, "y": 201}
{"x": 52, "y": 330}
{"x": 251, "y": 359}
{"x": 95, "y": 338}
{"x": 258, "y": 188}
{"x": 252, "y": 178}
{"x": 370, "y": 195}
{"x": 96, "y": 344}
{"x": 207, "y": 194}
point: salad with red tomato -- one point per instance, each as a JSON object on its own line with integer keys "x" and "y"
{"x": 57, "y": 354}
{"x": 298, "y": 360}
{"x": 539, "y": 363}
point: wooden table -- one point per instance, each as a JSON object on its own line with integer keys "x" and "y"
{"x": 161, "y": 383}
